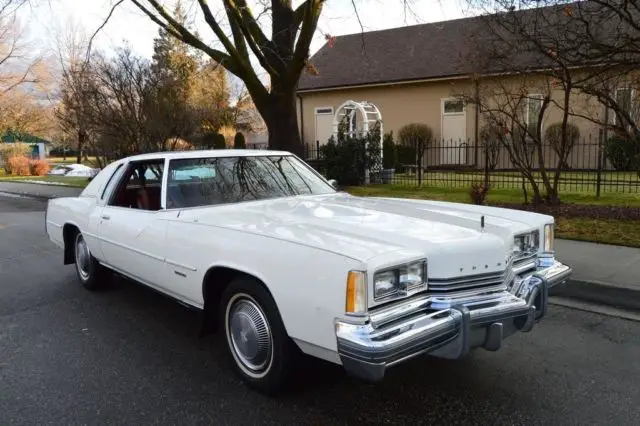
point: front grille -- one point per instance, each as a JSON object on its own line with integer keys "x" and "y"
{"x": 479, "y": 283}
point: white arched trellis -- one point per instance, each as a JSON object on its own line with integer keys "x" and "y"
{"x": 369, "y": 113}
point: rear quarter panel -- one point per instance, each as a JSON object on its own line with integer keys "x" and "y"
{"x": 73, "y": 211}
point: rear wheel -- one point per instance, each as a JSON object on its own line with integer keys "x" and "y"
{"x": 90, "y": 273}
{"x": 256, "y": 340}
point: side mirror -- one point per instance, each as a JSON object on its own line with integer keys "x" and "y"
{"x": 333, "y": 183}
{"x": 90, "y": 178}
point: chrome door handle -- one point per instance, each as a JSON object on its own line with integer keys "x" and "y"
{"x": 105, "y": 217}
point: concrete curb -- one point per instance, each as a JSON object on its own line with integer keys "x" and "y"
{"x": 600, "y": 293}
{"x": 29, "y": 195}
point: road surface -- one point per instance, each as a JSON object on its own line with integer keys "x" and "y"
{"x": 130, "y": 356}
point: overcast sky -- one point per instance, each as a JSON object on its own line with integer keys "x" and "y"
{"x": 129, "y": 24}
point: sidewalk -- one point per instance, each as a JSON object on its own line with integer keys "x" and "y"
{"x": 602, "y": 274}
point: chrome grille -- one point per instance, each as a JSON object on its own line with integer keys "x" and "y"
{"x": 479, "y": 283}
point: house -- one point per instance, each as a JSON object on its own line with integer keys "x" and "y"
{"x": 426, "y": 74}
{"x": 39, "y": 147}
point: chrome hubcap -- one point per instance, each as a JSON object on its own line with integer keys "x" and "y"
{"x": 82, "y": 257}
{"x": 249, "y": 334}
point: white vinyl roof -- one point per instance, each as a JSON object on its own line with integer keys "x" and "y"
{"x": 171, "y": 155}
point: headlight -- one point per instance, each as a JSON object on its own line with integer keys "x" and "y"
{"x": 525, "y": 245}
{"x": 400, "y": 281}
{"x": 548, "y": 237}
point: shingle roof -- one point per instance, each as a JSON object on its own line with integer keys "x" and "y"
{"x": 427, "y": 51}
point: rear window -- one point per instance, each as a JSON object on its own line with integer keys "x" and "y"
{"x": 99, "y": 181}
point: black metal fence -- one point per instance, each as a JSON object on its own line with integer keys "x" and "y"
{"x": 591, "y": 166}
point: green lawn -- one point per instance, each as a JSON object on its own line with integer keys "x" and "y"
{"x": 500, "y": 195}
{"x": 78, "y": 182}
{"x": 570, "y": 182}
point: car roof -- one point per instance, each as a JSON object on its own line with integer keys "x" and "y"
{"x": 206, "y": 153}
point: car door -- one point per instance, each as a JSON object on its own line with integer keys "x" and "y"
{"x": 132, "y": 232}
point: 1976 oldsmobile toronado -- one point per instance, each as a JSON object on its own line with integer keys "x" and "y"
{"x": 282, "y": 262}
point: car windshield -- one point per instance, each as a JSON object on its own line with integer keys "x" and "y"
{"x": 197, "y": 182}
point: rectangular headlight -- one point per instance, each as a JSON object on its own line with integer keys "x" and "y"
{"x": 525, "y": 245}
{"x": 548, "y": 237}
{"x": 399, "y": 281}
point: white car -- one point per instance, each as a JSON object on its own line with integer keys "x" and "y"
{"x": 284, "y": 263}
{"x": 73, "y": 170}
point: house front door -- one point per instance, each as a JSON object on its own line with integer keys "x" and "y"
{"x": 454, "y": 132}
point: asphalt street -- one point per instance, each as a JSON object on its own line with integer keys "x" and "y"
{"x": 130, "y": 356}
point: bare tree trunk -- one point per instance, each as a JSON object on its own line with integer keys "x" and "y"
{"x": 82, "y": 139}
{"x": 282, "y": 120}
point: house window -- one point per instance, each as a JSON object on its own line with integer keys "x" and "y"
{"x": 533, "y": 105}
{"x": 453, "y": 106}
{"x": 624, "y": 97}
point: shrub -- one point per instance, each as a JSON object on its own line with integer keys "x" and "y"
{"x": 388, "y": 151}
{"x": 623, "y": 152}
{"x": 219, "y": 141}
{"x": 239, "y": 142}
{"x": 478, "y": 193}
{"x": 349, "y": 157}
{"x": 18, "y": 165}
{"x": 553, "y": 136}
{"x": 39, "y": 167}
{"x": 417, "y": 135}
{"x": 491, "y": 137}
{"x": 8, "y": 150}
{"x": 228, "y": 132}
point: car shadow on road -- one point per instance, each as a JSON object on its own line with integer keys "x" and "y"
{"x": 463, "y": 386}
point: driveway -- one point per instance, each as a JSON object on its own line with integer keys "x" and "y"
{"x": 130, "y": 356}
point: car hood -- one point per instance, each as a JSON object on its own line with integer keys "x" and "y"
{"x": 365, "y": 228}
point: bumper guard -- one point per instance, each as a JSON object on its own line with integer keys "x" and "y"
{"x": 416, "y": 327}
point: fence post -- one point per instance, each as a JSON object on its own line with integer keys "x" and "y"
{"x": 486, "y": 165}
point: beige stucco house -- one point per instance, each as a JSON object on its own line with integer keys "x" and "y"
{"x": 427, "y": 74}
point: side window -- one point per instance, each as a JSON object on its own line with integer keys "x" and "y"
{"x": 140, "y": 186}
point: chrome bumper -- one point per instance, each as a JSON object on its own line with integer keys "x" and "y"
{"x": 424, "y": 325}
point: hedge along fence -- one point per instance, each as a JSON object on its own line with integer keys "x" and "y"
{"x": 352, "y": 157}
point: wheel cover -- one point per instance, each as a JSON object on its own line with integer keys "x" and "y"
{"x": 83, "y": 257}
{"x": 249, "y": 335}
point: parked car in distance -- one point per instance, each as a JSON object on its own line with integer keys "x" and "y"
{"x": 284, "y": 264}
{"x": 73, "y": 170}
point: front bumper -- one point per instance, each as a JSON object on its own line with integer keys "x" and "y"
{"x": 424, "y": 325}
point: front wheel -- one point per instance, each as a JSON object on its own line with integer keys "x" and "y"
{"x": 257, "y": 342}
{"x": 90, "y": 273}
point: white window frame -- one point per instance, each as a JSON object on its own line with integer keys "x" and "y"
{"x": 615, "y": 95}
{"x": 453, "y": 98}
{"x": 530, "y": 97}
